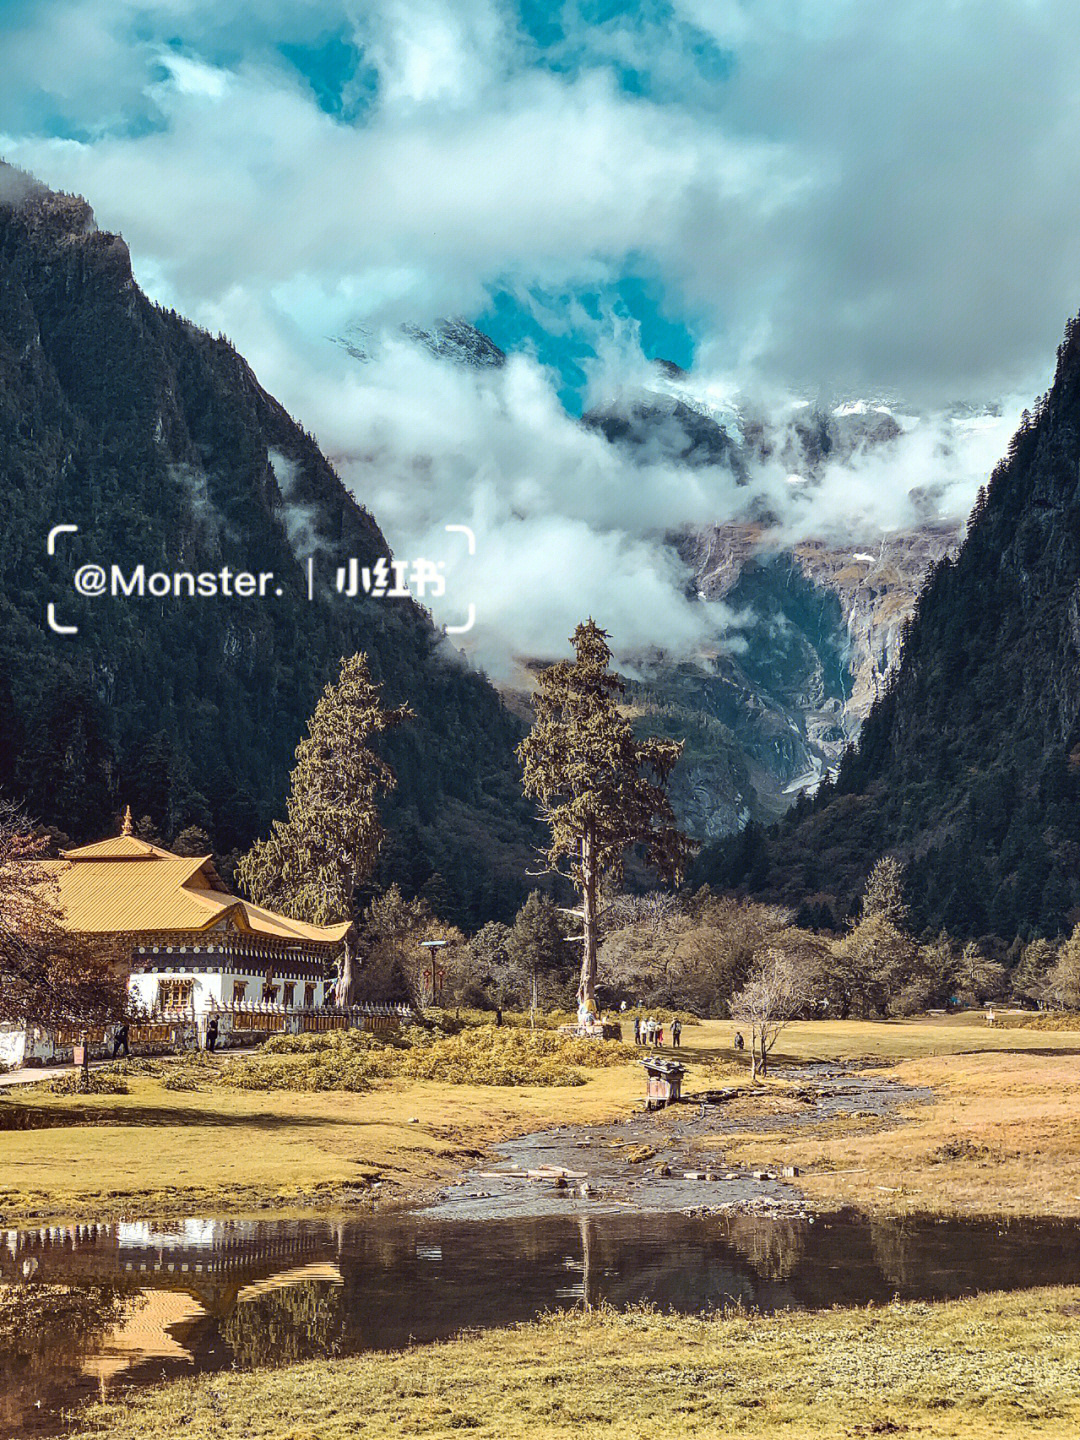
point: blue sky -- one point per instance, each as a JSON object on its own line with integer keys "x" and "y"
{"x": 833, "y": 194}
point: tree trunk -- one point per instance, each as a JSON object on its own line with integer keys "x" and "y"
{"x": 585, "y": 1226}
{"x": 589, "y": 885}
{"x": 345, "y": 984}
{"x": 763, "y": 1068}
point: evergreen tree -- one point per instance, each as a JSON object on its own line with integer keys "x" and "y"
{"x": 1063, "y": 981}
{"x": 600, "y": 790}
{"x": 146, "y": 830}
{"x": 536, "y": 946}
{"x": 193, "y": 840}
{"x": 883, "y": 898}
{"x": 977, "y": 977}
{"x": 313, "y": 861}
{"x": 1031, "y": 977}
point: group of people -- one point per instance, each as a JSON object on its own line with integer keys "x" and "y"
{"x": 651, "y": 1032}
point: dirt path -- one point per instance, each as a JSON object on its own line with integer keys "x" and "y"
{"x": 659, "y": 1163}
{"x": 34, "y": 1074}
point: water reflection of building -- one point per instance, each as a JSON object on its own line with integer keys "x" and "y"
{"x": 207, "y": 1258}
{"x": 185, "y": 1282}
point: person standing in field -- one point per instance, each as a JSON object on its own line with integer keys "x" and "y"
{"x": 676, "y": 1033}
{"x": 637, "y": 1029}
{"x": 212, "y": 1034}
{"x": 660, "y": 1034}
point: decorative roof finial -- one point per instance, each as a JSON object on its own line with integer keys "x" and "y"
{"x": 127, "y": 828}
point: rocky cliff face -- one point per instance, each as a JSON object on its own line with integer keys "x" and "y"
{"x": 819, "y": 634}
{"x": 158, "y": 442}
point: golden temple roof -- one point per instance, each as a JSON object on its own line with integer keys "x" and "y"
{"x": 124, "y": 885}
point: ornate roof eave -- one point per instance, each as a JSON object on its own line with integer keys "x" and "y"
{"x": 246, "y": 939}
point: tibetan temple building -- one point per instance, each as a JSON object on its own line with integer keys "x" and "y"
{"x": 195, "y": 948}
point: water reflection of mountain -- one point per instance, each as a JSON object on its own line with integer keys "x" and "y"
{"x": 216, "y": 1294}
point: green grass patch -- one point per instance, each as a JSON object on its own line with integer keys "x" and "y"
{"x": 997, "y": 1366}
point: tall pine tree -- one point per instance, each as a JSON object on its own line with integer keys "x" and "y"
{"x": 313, "y": 862}
{"x": 600, "y": 789}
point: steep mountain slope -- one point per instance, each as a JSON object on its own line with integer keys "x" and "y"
{"x": 969, "y": 765}
{"x": 820, "y": 632}
{"x": 157, "y": 441}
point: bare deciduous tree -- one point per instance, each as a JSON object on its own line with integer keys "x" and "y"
{"x": 776, "y": 991}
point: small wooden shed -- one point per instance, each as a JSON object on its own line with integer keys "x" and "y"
{"x": 664, "y": 1081}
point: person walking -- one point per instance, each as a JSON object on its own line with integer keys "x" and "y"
{"x": 212, "y": 1035}
{"x": 120, "y": 1040}
{"x": 676, "y": 1033}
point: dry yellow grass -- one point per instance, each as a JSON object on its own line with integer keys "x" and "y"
{"x": 990, "y": 1368}
{"x": 999, "y": 1138}
{"x": 157, "y": 1151}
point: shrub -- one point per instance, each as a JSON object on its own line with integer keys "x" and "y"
{"x": 477, "y": 1055}
{"x": 101, "y": 1082}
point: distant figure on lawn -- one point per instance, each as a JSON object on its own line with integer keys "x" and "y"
{"x": 212, "y": 1034}
{"x": 498, "y": 1015}
{"x": 739, "y": 1042}
{"x": 637, "y": 1029}
{"x": 660, "y": 1034}
{"x": 120, "y": 1041}
{"x": 990, "y": 1016}
{"x": 676, "y": 1034}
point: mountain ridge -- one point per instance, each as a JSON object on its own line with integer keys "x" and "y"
{"x": 157, "y": 440}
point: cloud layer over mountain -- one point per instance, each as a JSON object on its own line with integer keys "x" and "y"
{"x": 829, "y": 200}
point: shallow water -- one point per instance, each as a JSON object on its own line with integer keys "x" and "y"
{"x": 209, "y": 1295}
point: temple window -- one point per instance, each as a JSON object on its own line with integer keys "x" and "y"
{"x": 175, "y": 994}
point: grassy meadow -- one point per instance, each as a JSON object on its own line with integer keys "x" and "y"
{"x": 999, "y": 1137}
{"x": 996, "y": 1366}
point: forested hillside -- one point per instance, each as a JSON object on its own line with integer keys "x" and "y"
{"x": 968, "y": 768}
{"x": 158, "y": 442}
